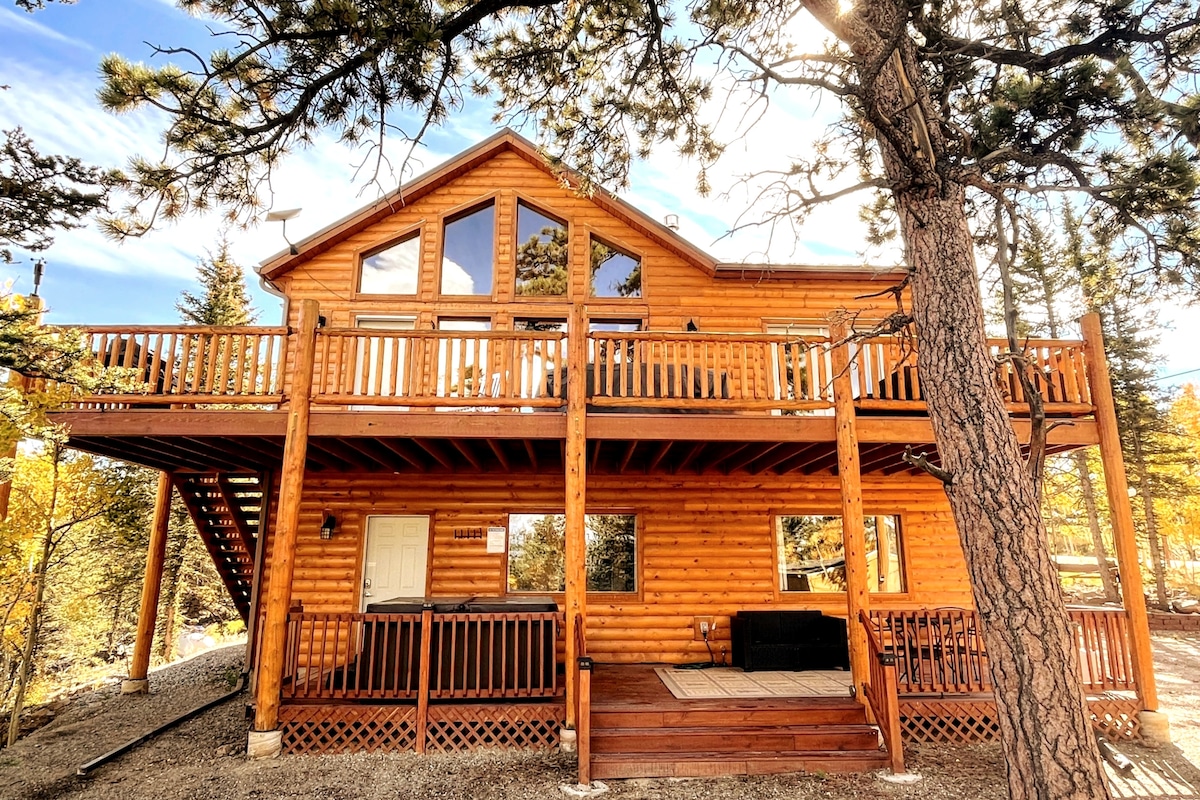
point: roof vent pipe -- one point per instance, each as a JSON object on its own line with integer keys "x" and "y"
{"x": 671, "y": 221}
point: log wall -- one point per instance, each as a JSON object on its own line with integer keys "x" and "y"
{"x": 674, "y": 291}
{"x": 706, "y": 546}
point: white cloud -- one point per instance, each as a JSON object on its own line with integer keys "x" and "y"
{"x": 23, "y": 23}
{"x": 455, "y": 279}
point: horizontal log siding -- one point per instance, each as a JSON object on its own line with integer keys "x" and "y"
{"x": 674, "y": 291}
{"x": 706, "y": 546}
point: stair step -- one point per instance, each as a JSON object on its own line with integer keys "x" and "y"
{"x": 850, "y": 714}
{"x": 696, "y": 765}
{"x": 794, "y": 738}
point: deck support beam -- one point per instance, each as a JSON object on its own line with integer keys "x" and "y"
{"x": 575, "y": 601}
{"x": 283, "y": 548}
{"x": 853, "y": 525}
{"x": 156, "y": 556}
{"x": 1124, "y": 534}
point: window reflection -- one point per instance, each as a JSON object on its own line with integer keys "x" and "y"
{"x": 468, "y": 252}
{"x": 392, "y": 270}
{"x": 541, "y": 254}
{"x": 614, "y": 273}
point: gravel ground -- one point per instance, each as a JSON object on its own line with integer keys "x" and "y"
{"x": 204, "y": 758}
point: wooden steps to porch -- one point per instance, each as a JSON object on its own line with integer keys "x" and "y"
{"x": 639, "y": 730}
{"x": 226, "y": 508}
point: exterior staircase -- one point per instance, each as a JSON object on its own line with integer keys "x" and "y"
{"x": 226, "y": 508}
{"x": 633, "y": 738}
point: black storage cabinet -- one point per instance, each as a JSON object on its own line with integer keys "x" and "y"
{"x": 789, "y": 640}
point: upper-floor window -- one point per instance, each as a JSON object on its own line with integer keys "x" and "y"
{"x": 468, "y": 251}
{"x": 614, "y": 273}
{"x": 542, "y": 251}
{"x": 393, "y": 269}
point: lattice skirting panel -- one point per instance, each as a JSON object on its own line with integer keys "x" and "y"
{"x": 450, "y": 728}
{"x": 974, "y": 720}
{"x": 348, "y": 728}
{"x": 529, "y": 726}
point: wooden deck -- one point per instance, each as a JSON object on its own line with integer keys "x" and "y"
{"x": 640, "y": 730}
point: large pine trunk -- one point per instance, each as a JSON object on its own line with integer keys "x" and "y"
{"x": 1050, "y": 750}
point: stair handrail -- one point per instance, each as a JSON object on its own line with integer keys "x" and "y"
{"x": 881, "y": 693}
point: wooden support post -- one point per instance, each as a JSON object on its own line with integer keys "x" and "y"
{"x": 156, "y": 555}
{"x": 853, "y": 528}
{"x": 1124, "y": 534}
{"x": 283, "y": 545}
{"x": 583, "y": 724}
{"x": 423, "y": 678}
{"x": 890, "y": 697}
{"x": 576, "y": 544}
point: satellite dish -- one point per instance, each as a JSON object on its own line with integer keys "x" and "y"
{"x": 283, "y": 215}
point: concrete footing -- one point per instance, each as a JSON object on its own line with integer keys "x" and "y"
{"x": 135, "y": 686}
{"x": 264, "y": 744}
{"x": 1156, "y": 728}
{"x": 567, "y": 740}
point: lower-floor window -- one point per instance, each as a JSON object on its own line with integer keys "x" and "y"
{"x": 537, "y": 544}
{"x": 812, "y": 553}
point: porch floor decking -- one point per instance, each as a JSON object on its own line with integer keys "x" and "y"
{"x": 641, "y": 730}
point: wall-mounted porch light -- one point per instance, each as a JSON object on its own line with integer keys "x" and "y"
{"x": 328, "y": 525}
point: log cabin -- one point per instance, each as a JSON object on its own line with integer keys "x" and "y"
{"x": 517, "y": 454}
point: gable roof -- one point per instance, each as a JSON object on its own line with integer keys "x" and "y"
{"x": 504, "y": 141}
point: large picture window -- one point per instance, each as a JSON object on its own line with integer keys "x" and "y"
{"x": 392, "y": 270}
{"x": 537, "y": 544}
{"x": 469, "y": 251}
{"x": 541, "y": 254}
{"x": 613, "y": 272}
{"x": 812, "y": 555}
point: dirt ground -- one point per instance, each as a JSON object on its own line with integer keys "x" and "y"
{"x": 204, "y": 758}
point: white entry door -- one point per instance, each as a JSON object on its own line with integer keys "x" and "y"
{"x": 396, "y": 558}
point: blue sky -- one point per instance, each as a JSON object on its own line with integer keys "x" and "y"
{"x": 49, "y": 61}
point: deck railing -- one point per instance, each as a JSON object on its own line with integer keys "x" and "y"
{"x": 348, "y": 656}
{"x": 885, "y": 374}
{"x": 192, "y": 366}
{"x": 494, "y": 369}
{"x": 880, "y": 692}
{"x": 714, "y": 371}
{"x": 185, "y": 365}
{"x": 941, "y": 651}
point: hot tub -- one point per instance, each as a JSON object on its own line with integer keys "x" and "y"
{"x": 477, "y": 647}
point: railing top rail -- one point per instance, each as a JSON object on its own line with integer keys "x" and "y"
{"x": 451, "y": 616}
{"x": 384, "y": 333}
{"x": 998, "y": 340}
{"x": 205, "y": 329}
{"x": 869, "y": 624}
{"x": 691, "y": 336}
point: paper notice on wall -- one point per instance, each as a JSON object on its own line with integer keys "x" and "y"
{"x": 497, "y": 538}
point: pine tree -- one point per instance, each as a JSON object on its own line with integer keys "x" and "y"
{"x": 223, "y": 299}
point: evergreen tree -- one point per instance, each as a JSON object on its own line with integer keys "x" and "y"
{"x": 41, "y": 194}
{"x": 223, "y": 298}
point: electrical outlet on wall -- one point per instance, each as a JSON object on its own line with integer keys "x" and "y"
{"x": 702, "y": 626}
